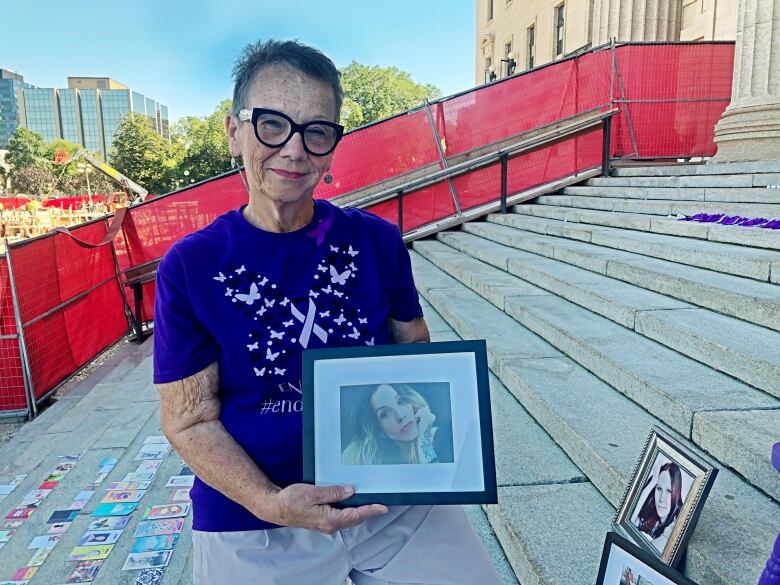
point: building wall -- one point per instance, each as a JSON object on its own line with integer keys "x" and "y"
{"x": 91, "y": 121}
{"x": 88, "y": 112}
{"x": 165, "y": 129}
{"x": 41, "y": 112}
{"x": 510, "y": 23}
{"x": 151, "y": 114}
{"x": 70, "y": 115}
{"x": 700, "y": 20}
{"x": 94, "y": 83}
{"x": 115, "y": 107}
{"x": 707, "y": 20}
{"x": 11, "y": 104}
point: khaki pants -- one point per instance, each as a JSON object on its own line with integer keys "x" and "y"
{"x": 420, "y": 545}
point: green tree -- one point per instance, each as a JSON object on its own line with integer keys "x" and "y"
{"x": 372, "y": 93}
{"x": 26, "y": 149}
{"x": 65, "y": 171}
{"x": 201, "y": 146}
{"x": 142, "y": 155}
{"x": 32, "y": 180}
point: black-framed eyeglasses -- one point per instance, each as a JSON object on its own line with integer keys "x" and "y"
{"x": 274, "y": 129}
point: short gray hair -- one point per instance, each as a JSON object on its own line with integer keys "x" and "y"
{"x": 305, "y": 59}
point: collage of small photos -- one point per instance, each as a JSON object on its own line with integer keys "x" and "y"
{"x": 154, "y": 537}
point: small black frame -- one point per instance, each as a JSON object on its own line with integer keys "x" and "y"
{"x": 639, "y": 555}
{"x": 469, "y": 357}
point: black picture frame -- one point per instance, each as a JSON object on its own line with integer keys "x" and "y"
{"x": 695, "y": 473}
{"x": 474, "y": 462}
{"x": 638, "y": 556}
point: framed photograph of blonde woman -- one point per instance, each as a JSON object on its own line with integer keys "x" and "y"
{"x": 404, "y": 424}
{"x": 665, "y": 497}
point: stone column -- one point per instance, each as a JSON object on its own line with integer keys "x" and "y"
{"x": 750, "y": 127}
{"x": 635, "y": 20}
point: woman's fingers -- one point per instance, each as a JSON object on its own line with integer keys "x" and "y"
{"x": 348, "y": 517}
{"x": 330, "y": 494}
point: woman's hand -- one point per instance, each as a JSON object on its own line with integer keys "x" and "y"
{"x": 308, "y": 506}
{"x": 425, "y": 432}
{"x": 425, "y": 419}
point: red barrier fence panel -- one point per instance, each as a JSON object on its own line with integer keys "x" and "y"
{"x": 70, "y": 302}
{"x": 12, "y": 392}
{"x": 525, "y": 102}
{"x": 380, "y": 151}
{"x": 670, "y": 96}
{"x": 151, "y": 228}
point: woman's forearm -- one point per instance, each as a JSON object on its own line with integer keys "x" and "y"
{"x": 223, "y": 464}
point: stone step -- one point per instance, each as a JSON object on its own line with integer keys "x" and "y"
{"x": 622, "y": 358}
{"x": 536, "y": 523}
{"x": 754, "y": 237}
{"x": 729, "y": 259}
{"x": 543, "y": 465}
{"x": 743, "y": 437}
{"x": 744, "y": 180}
{"x": 588, "y": 419}
{"x": 743, "y": 350}
{"x": 756, "y": 302}
{"x": 715, "y": 194}
{"x": 676, "y": 170}
{"x": 667, "y": 208}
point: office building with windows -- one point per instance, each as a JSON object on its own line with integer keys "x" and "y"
{"x": 517, "y": 35}
{"x": 11, "y": 104}
{"x": 87, "y": 112}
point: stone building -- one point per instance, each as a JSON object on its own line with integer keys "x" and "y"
{"x": 516, "y": 35}
{"x": 536, "y": 32}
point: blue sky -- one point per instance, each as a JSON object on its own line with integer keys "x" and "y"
{"x": 181, "y": 53}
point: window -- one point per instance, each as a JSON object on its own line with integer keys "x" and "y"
{"x": 509, "y": 58}
{"x": 489, "y": 10}
{"x": 560, "y": 15}
{"x": 488, "y": 72}
{"x": 531, "y": 47}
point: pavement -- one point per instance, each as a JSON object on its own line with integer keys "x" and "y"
{"x": 90, "y": 438}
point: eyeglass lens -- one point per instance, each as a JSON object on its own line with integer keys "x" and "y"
{"x": 275, "y": 130}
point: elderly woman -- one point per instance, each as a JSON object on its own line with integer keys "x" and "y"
{"x": 237, "y": 302}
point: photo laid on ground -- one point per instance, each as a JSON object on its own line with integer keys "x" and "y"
{"x": 665, "y": 497}
{"x": 624, "y": 563}
{"x": 661, "y": 500}
{"x": 396, "y": 423}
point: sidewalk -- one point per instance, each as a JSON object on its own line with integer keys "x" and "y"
{"x": 107, "y": 415}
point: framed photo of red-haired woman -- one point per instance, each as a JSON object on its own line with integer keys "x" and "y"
{"x": 405, "y": 424}
{"x": 665, "y": 497}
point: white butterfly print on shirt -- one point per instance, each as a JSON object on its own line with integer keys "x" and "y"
{"x": 251, "y": 297}
{"x": 339, "y": 278}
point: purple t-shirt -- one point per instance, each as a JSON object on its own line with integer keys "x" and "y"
{"x": 253, "y": 300}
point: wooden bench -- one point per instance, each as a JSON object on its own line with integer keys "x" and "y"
{"x": 136, "y": 277}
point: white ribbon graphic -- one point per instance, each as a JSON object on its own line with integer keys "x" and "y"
{"x": 308, "y": 324}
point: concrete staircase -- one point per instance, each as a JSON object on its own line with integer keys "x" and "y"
{"x": 605, "y": 316}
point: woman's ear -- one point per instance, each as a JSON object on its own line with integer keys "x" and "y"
{"x": 231, "y": 129}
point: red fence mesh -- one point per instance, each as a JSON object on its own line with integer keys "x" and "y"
{"x": 62, "y": 329}
{"x": 669, "y": 96}
{"x": 12, "y": 395}
{"x": 381, "y": 151}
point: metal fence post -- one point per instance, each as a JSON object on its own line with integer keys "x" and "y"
{"x": 442, "y": 157}
{"x": 118, "y": 272}
{"x": 504, "y": 167}
{"x": 29, "y": 389}
{"x": 606, "y": 148}
{"x": 401, "y": 211}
